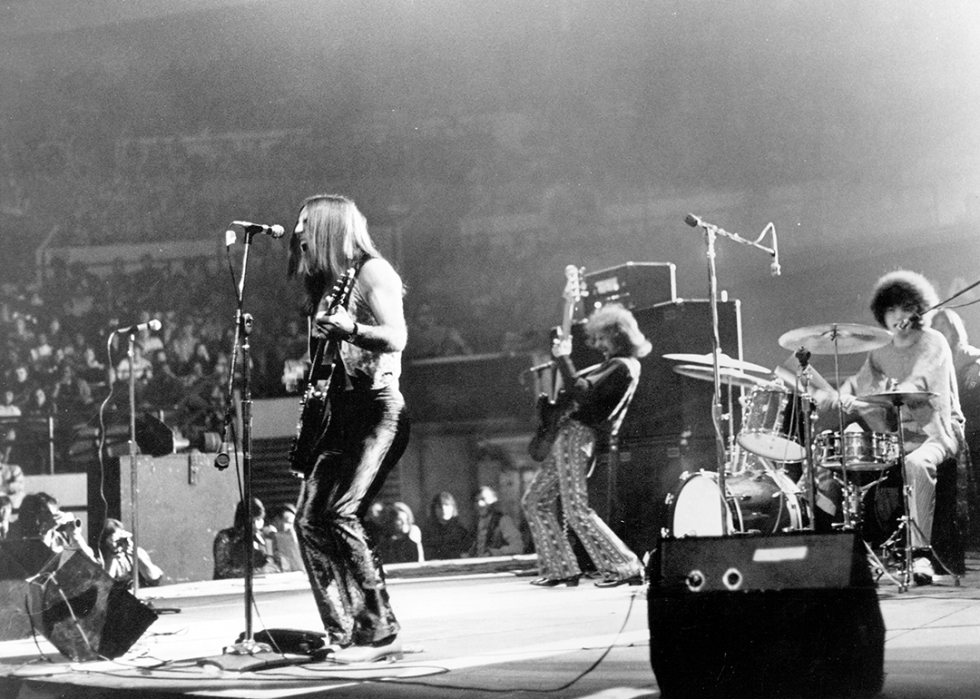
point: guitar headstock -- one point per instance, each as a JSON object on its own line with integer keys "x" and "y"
{"x": 573, "y": 285}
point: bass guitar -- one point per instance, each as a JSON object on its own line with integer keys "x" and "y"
{"x": 554, "y": 408}
{"x": 314, "y": 406}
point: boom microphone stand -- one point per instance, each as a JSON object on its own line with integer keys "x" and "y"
{"x": 246, "y": 654}
{"x": 711, "y": 232}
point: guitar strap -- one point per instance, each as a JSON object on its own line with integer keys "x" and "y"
{"x": 618, "y": 415}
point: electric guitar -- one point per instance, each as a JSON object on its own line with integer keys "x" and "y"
{"x": 314, "y": 407}
{"x": 553, "y": 409}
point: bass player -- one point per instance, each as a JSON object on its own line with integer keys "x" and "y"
{"x": 361, "y": 433}
{"x": 595, "y": 400}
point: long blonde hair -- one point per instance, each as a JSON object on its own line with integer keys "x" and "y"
{"x": 336, "y": 238}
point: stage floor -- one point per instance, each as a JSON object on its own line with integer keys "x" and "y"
{"x": 468, "y": 630}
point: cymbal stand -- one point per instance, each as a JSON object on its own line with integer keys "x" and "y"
{"x": 845, "y": 475}
{"x": 907, "y": 521}
{"x": 809, "y": 469}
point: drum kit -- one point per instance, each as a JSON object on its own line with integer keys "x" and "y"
{"x": 770, "y": 482}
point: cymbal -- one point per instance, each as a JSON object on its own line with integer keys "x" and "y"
{"x": 889, "y": 398}
{"x": 732, "y": 377}
{"x": 723, "y": 361}
{"x": 840, "y": 338}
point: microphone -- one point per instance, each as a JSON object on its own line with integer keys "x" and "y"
{"x": 908, "y": 321}
{"x": 275, "y": 231}
{"x": 541, "y": 367}
{"x": 153, "y": 325}
{"x": 693, "y": 221}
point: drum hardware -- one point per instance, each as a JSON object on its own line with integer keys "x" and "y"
{"x": 732, "y": 377}
{"x": 755, "y": 502}
{"x": 836, "y": 338}
{"x": 857, "y": 451}
{"x": 833, "y": 339}
{"x": 898, "y": 400}
{"x": 724, "y": 361}
{"x": 773, "y": 424}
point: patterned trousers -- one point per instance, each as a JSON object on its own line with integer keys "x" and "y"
{"x": 563, "y": 475}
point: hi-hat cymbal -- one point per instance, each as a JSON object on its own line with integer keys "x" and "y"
{"x": 732, "y": 377}
{"x": 839, "y": 338}
{"x": 723, "y": 361}
{"x": 889, "y": 398}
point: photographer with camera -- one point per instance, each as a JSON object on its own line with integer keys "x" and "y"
{"x": 41, "y": 518}
{"x": 116, "y": 548}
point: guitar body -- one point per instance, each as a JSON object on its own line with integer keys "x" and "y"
{"x": 314, "y": 407}
{"x": 313, "y": 413}
{"x": 551, "y": 417}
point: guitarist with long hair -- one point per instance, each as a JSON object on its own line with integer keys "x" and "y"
{"x": 590, "y": 412}
{"x": 362, "y": 429}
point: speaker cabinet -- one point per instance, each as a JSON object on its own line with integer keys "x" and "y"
{"x": 666, "y": 402}
{"x": 83, "y": 612}
{"x": 20, "y": 559}
{"x": 787, "y": 616}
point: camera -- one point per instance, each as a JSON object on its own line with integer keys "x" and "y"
{"x": 67, "y": 523}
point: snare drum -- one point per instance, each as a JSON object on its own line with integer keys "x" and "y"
{"x": 773, "y": 422}
{"x": 757, "y": 503}
{"x": 863, "y": 451}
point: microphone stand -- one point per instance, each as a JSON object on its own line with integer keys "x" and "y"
{"x": 247, "y": 653}
{"x": 711, "y": 232}
{"x": 709, "y": 236}
{"x": 133, "y": 470}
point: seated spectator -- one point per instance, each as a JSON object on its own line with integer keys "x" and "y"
{"x": 13, "y": 485}
{"x": 431, "y": 339}
{"x": 41, "y": 518}
{"x": 6, "y": 516}
{"x": 7, "y": 406}
{"x": 401, "y": 541}
{"x": 142, "y": 366}
{"x": 443, "y": 534}
{"x": 282, "y": 533}
{"x": 230, "y": 549}
{"x": 496, "y": 533}
{"x": 116, "y": 548}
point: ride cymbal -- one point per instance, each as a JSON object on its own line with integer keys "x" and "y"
{"x": 732, "y": 377}
{"x": 836, "y": 338}
{"x": 723, "y": 361}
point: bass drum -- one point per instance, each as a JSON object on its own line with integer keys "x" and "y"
{"x": 757, "y": 503}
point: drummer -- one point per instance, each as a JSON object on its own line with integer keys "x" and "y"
{"x": 917, "y": 359}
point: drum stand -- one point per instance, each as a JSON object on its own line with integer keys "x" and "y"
{"x": 853, "y": 507}
{"x": 907, "y": 521}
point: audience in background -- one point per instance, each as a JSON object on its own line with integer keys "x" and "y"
{"x": 41, "y": 518}
{"x": 281, "y": 531}
{"x": 230, "y": 548}
{"x": 496, "y": 533}
{"x": 116, "y": 549}
{"x": 443, "y": 535}
{"x": 401, "y": 539}
{"x": 6, "y": 516}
